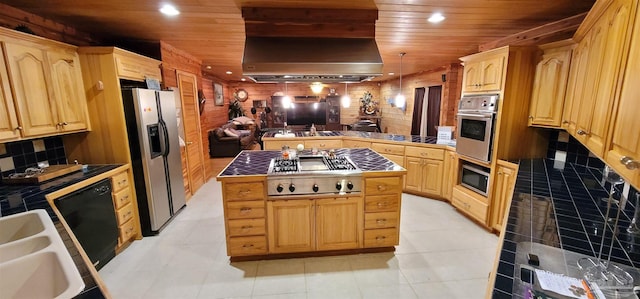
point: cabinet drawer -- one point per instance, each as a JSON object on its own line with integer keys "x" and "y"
{"x": 238, "y": 246}
{"x": 383, "y": 185}
{"x": 245, "y": 210}
{"x": 120, "y": 181}
{"x": 127, "y": 231}
{"x": 125, "y": 214}
{"x": 384, "y": 148}
{"x": 469, "y": 204}
{"x": 323, "y": 144}
{"x": 248, "y": 227}
{"x": 425, "y": 152}
{"x": 381, "y": 203}
{"x": 380, "y": 220}
{"x": 356, "y": 144}
{"x": 122, "y": 198}
{"x": 244, "y": 191}
{"x": 381, "y": 237}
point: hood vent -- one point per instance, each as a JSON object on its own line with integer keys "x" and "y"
{"x": 302, "y": 59}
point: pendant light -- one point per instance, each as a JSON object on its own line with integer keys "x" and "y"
{"x": 346, "y": 99}
{"x": 400, "y": 99}
{"x": 286, "y": 100}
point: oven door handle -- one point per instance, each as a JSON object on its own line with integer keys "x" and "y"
{"x": 476, "y": 116}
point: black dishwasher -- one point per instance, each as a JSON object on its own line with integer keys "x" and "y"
{"x": 90, "y": 215}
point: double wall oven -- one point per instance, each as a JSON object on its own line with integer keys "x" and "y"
{"x": 476, "y": 121}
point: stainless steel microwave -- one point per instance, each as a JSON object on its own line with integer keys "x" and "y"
{"x": 475, "y": 178}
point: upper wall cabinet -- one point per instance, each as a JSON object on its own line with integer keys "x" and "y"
{"x": 623, "y": 152}
{"x": 9, "y": 127}
{"x": 483, "y": 72}
{"x": 552, "y": 72}
{"x": 47, "y": 87}
{"x": 595, "y": 79}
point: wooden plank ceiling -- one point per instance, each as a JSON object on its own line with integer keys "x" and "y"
{"x": 214, "y": 30}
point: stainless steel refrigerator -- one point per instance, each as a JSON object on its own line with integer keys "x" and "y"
{"x": 152, "y": 129}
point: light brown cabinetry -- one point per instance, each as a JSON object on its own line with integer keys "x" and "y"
{"x": 603, "y": 49}
{"x": 550, "y": 84}
{"x": 382, "y": 211}
{"x": 245, "y": 217}
{"x": 393, "y": 152}
{"x": 9, "y": 127}
{"x": 351, "y": 143}
{"x": 470, "y": 203}
{"x": 623, "y": 150}
{"x": 484, "y": 75}
{"x": 302, "y": 225}
{"x": 425, "y": 168}
{"x": 503, "y": 184}
{"x": 47, "y": 88}
{"x": 322, "y": 144}
{"x": 450, "y": 173}
{"x": 126, "y": 208}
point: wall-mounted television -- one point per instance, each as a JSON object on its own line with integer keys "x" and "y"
{"x": 307, "y": 113}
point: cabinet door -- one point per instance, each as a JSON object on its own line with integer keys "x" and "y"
{"x": 450, "y": 177}
{"x": 617, "y": 23}
{"x": 626, "y": 125}
{"x": 432, "y": 177}
{"x": 576, "y": 86}
{"x": 549, "y": 89}
{"x": 31, "y": 83}
{"x": 413, "y": 179}
{"x": 8, "y": 119}
{"x": 66, "y": 79}
{"x": 339, "y": 223}
{"x": 291, "y": 225}
{"x": 333, "y": 113}
{"x": 472, "y": 76}
{"x": 492, "y": 73}
{"x": 279, "y": 115}
{"x": 503, "y": 190}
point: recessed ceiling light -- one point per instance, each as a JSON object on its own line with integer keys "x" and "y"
{"x": 169, "y": 10}
{"x": 229, "y": 72}
{"x": 243, "y": 79}
{"x": 208, "y": 67}
{"x": 391, "y": 74}
{"x": 436, "y": 17}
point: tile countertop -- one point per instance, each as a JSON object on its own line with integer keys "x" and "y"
{"x": 369, "y": 135}
{"x": 21, "y": 198}
{"x": 257, "y": 162}
{"x": 559, "y": 205}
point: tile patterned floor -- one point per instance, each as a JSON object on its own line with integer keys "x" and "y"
{"x": 441, "y": 255}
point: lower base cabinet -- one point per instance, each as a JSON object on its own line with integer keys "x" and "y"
{"x": 470, "y": 203}
{"x": 503, "y": 185}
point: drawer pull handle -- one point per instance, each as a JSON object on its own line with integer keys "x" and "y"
{"x": 629, "y": 163}
{"x": 424, "y": 154}
{"x": 381, "y": 221}
{"x": 582, "y": 132}
{"x": 245, "y": 191}
{"x": 247, "y": 246}
{"x": 19, "y": 128}
{"x": 383, "y": 204}
{"x": 245, "y": 210}
{"x": 382, "y": 187}
{"x": 247, "y": 227}
{"x": 380, "y": 238}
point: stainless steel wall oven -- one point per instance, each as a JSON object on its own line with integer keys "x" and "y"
{"x": 476, "y": 119}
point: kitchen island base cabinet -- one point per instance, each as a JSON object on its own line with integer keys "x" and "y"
{"x": 382, "y": 211}
{"x": 339, "y": 223}
{"x": 291, "y": 225}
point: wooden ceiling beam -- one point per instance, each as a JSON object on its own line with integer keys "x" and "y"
{"x": 534, "y": 36}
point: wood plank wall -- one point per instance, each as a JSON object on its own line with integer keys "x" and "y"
{"x": 395, "y": 121}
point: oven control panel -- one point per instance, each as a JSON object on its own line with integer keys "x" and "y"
{"x": 314, "y": 185}
{"x": 486, "y": 103}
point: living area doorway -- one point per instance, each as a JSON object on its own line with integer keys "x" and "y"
{"x": 426, "y": 111}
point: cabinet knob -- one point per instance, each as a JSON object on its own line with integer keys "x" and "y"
{"x": 19, "y": 128}
{"x": 565, "y": 122}
{"x": 189, "y": 142}
{"x": 64, "y": 123}
{"x": 629, "y": 163}
{"x": 582, "y": 132}
{"x": 530, "y": 116}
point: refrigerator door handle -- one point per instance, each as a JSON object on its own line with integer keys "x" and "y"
{"x": 165, "y": 138}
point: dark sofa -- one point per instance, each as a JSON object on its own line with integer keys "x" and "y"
{"x": 221, "y": 145}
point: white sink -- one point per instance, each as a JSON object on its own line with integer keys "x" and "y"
{"x": 34, "y": 262}
{"x": 287, "y": 135}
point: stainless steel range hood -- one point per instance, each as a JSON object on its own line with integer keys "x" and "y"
{"x": 302, "y": 59}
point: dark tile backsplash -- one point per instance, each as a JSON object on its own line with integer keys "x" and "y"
{"x": 20, "y": 155}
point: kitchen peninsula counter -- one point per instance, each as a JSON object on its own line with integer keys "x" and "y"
{"x": 557, "y": 205}
{"x": 260, "y": 226}
{"x": 21, "y": 198}
{"x": 371, "y": 136}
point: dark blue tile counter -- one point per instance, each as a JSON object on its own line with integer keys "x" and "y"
{"x": 257, "y": 162}
{"x": 560, "y": 205}
{"x": 21, "y": 198}
{"x": 368, "y": 135}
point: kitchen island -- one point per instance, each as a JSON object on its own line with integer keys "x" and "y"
{"x": 261, "y": 225}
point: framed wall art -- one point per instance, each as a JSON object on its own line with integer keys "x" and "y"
{"x": 218, "y": 94}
